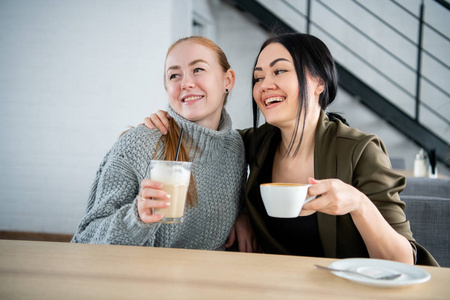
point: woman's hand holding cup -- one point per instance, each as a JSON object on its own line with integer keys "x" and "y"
{"x": 337, "y": 198}
{"x": 151, "y": 196}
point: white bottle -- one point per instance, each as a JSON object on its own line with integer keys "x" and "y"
{"x": 435, "y": 175}
{"x": 420, "y": 164}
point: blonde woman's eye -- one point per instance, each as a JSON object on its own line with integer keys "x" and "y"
{"x": 196, "y": 70}
{"x": 173, "y": 76}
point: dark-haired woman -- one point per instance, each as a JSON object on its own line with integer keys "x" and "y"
{"x": 197, "y": 78}
{"x": 358, "y": 212}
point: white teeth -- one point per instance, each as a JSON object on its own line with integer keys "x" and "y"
{"x": 274, "y": 99}
{"x": 192, "y": 98}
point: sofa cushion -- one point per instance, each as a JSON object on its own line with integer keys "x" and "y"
{"x": 430, "y": 223}
{"x": 433, "y": 187}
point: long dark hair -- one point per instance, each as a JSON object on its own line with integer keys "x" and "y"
{"x": 311, "y": 55}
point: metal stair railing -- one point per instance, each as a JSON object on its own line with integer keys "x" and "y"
{"x": 399, "y": 59}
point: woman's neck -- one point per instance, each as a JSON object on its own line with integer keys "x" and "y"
{"x": 308, "y": 139}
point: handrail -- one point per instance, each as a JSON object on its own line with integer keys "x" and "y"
{"x": 297, "y": 11}
{"x": 384, "y": 49}
{"x": 425, "y": 23}
{"x": 400, "y": 33}
{"x": 308, "y": 17}
{"x": 443, "y": 3}
{"x": 419, "y": 60}
{"x": 366, "y": 36}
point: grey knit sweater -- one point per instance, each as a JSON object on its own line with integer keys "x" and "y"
{"x": 219, "y": 172}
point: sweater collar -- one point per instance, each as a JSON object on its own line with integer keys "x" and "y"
{"x": 201, "y": 140}
{"x": 224, "y": 124}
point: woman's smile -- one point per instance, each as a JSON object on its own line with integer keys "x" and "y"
{"x": 191, "y": 99}
{"x": 271, "y": 101}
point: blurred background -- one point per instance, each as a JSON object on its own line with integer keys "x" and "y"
{"x": 75, "y": 74}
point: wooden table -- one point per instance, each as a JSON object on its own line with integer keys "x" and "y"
{"x": 50, "y": 270}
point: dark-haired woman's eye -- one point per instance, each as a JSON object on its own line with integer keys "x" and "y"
{"x": 278, "y": 72}
{"x": 258, "y": 79}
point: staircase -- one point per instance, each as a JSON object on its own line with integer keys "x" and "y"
{"x": 400, "y": 70}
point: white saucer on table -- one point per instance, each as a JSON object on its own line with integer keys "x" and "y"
{"x": 378, "y": 267}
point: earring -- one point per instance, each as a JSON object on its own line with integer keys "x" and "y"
{"x": 226, "y": 91}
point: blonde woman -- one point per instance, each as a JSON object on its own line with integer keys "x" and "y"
{"x": 198, "y": 79}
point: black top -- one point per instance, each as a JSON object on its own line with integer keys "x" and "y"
{"x": 300, "y": 236}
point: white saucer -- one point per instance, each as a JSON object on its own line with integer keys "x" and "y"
{"x": 379, "y": 267}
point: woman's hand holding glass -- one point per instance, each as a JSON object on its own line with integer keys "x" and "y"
{"x": 151, "y": 196}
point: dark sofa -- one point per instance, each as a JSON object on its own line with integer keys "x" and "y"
{"x": 428, "y": 210}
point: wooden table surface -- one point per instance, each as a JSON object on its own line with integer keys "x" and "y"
{"x": 51, "y": 270}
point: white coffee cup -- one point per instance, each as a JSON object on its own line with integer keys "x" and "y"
{"x": 284, "y": 200}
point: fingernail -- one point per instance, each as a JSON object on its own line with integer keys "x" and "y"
{"x": 164, "y": 132}
{"x": 167, "y": 195}
{"x": 167, "y": 203}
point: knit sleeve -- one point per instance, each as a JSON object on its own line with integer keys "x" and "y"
{"x": 111, "y": 216}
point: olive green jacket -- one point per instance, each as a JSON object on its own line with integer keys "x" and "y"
{"x": 347, "y": 154}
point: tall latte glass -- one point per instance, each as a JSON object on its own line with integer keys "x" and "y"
{"x": 175, "y": 176}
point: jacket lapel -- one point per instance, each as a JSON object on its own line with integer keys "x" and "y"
{"x": 325, "y": 166}
{"x": 267, "y": 139}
